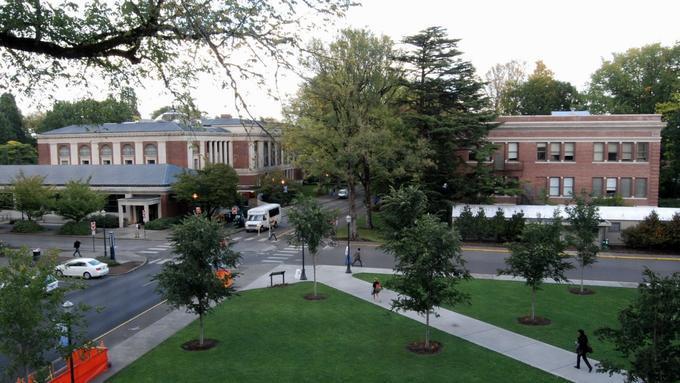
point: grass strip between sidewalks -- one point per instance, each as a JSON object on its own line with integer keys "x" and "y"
{"x": 501, "y": 302}
{"x": 276, "y": 335}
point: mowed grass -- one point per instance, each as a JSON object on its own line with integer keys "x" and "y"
{"x": 501, "y": 302}
{"x": 364, "y": 234}
{"x": 274, "y": 335}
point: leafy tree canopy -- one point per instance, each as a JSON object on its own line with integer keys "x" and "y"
{"x": 213, "y": 187}
{"x": 31, "y": 197}
{"x": 16, "y": 153}
{"x": 11, "y": 121}
{"x": 636, "y": 81}
{"x": 77, "y": 200}
{"x": 669, "y": 181}
{"x": 85, "y": 112}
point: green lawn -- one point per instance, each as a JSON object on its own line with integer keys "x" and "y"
{"x": 365, "y": 234}
{"x": 274, "y": 335}
{"x": 501, "y": 302}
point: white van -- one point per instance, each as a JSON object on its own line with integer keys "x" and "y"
{"x": 257, "y": 217}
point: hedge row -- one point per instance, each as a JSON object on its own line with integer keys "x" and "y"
{"x": 653, "y": 234}
{"x": 494, "y": 229}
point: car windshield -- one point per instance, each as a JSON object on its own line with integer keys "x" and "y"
{"x": 94, "y": 262}
{"x": 258, "y": 217}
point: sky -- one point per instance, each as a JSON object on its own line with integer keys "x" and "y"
{"x": 571, "y": 37}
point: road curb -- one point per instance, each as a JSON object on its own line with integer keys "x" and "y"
{"x": 146, "y": 260}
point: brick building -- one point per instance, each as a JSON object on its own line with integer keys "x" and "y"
{"x": 562, "y": 154}
{"x": 242, "y": 144}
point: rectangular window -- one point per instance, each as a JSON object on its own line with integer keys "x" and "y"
{"x": 597, "y": 187}
{"x": 640, "y": 188}
{"x": 598, "y": 151}
{"x": 568, "y": 186}
{"x": 151, "y": 162}
{"x": 554, "y": 151}
{"x": 85, "y": 162}
{"x": 513, "y": 151}
{"x": 612, "y": 151}
{"x": 643, "y": 151}
{"x": 611, "y": 186}
{"x": 627, "y": 151}
{"x": 626, "y": 187}
{"x": 106, "y": 162}
{"x": 569, "y": 151}
{"x": 554, "y": 186}
{"x": 128, "y": 162}
{"x": 64, "y": 162}
{"x": 541, "y": 151}
{"x": 615, "y": 227}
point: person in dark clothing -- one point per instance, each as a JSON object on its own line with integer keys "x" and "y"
{"x": 76, "y": 246}
{"x": 357, "y": 258}
{"x": 376, "y": 289}
{"x": 582, "y": 348}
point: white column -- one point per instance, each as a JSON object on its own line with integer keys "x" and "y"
{"x": 54, "y": 154}
{"x": 74, "y": 154}
{"x": 252, "y": 159}
{"x": 190, "y": 155}
{"x": 230, "y": 152}
{"x": 162, "y": 153}
{"x": 94, "y": 152}
{"x": 121, "y": 217}
{"x": 260, "y": 154}
{"x": 116, "y": 153}
{"x": 139, "y": 153}
{"x": 201, "y": 149}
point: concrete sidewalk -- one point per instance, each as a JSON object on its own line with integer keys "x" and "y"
{"x": 543, "y": 356}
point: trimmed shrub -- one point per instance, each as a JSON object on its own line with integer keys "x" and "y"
{"x": 75, "y": 228}
{"x": 495, "y": 229}
{"x": 162, "y": 223}
{"x": 26, "y": 226}
{"x": 653, "y": 234}
{"x": 616, "y": 200}
{"x": 465, "y": 224}
{"x": 109, "y": 221}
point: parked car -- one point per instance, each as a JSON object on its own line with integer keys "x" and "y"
{"x": 343, "y": 193}
{"x": 51, "y": 284}
{"x": 83, "y": 267}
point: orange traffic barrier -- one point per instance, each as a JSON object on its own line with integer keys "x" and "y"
{"x": 88, "y": 363}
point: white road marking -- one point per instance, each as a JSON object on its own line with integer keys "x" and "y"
{"x": 277, "y": 258}
{"x": 236, "y": 238}
{"x": 285, "y": 255}
{"x": 288, "y": 251}
{"x": 148, "y": 252}
{"x": 144, "y": 285}
{"x": 271, "y": 261}
{"x": 158, "y": 248}
{"x": 249, "y": 238}
{"x": 156, "y": 260}
{"x": 165, "y": 261}
{"x": 262, "y": 240}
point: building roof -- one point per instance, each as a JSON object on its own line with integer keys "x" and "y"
{"x": 216, "y": 125}
{"x": 609, "y": 213}
{"x": 157, "y": 175}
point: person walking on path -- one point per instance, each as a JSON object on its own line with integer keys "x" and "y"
{"x": 76, "y": 246}
{"x": 272, "y": 234}
{"x": 376, "y": 289}
{"x": 582, "y": 348}
{"x": 357, "y": 257}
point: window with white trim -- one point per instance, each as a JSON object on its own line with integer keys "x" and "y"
{"x": 568, "y": 186}
{"x": 150, "y": 153}
{"x": 597, "y": 186}
{"x": 640, "y": 188}
{"x": 626, "y": 187}
{"x": 569, "y": 151}
{"x": 84, "y": 154}
{"x": 513, "y": 151}
{"x": 611, "y": 187}
{"x": 64, "y": 155}
{"x": 642, "y": 151}
{"x": 554, "y": 151}
{"x": 627, "y": 151}
{"x": 554, "y": 186}
{"x": 541, "y": 148}
{"x": 106, "y": 154}
{"x": 598, "y": 151}
{"x": 612, "y": 151}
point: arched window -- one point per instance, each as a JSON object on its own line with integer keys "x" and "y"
{"x": 84, "y": 153}
{"x": 128, "y": 150}
{"x": 106, "y": 155}
{"x": 64, "y": 155}
{"x": 150, "y": 154}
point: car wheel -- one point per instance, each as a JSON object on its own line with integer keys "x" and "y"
{"x": 60, "y": 273}
{"x": 87, "y": 275}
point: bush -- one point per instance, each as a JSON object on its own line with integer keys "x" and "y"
{"x": 162, "y": 223}
{"x": 616, "y": 200}
{"x": 653, "y": 234}
{"x": 3, "y": 247}
{"x": 495, "y": 229}
{"x": 26, "y": 226}
{"x": 109, "y": 221}
{"x": 465, "y": 224}
{"x": 75, "y": 228}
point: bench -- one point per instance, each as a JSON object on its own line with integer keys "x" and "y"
{"x": 271, "y": 277}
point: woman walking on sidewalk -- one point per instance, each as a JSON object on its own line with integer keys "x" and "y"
{"x": 582, "y": 348}
{"x": 376, "y": 289}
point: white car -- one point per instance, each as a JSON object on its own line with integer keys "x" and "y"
{"x": 343, "y": 193}
{"x": 83, "y": 267}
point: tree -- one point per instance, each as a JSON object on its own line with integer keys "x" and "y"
{"x": 30, "y": 196}
{"x": 11, "y": 121}
{"x": 30, "y": 317}
{"x": 428, "y": 267}
{"x": 500, "y": 79}
{"x": 127, "y": 41}
{"x": 77, "y": 200}
{"x": 444, "y": 103}
{"x": 540, "y": 94}
{"x": 648, "y": 332}
{"x": 538, "y": 254}
{"x": 276, "y": 188}
{"x": 341, "y": 122}
{"x": 401, "y": 208}
{"x": 161, "y": 110}
{"x": 191, "y": 282}
{"x": 669, "y": 177}
{"x": 584, "y": 220}
{"x": 636, "y": 81}
{"x": 86, "y": 112}
{"x": 213, "y": 187}
{"x": 16, "y": 153}
{"x": 311, "y": 224}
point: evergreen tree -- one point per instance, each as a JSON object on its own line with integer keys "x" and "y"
{"x": 446, "y": 105}
{"x": 11, "y": 121}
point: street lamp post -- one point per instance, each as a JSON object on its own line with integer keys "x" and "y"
{"x": 303, "y": 275}
{"x": 68, "y": 308}
{"x": 349, "y": 234}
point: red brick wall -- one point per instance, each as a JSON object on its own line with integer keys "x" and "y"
{"x": 176, "y": 153}
{"x": 44, "y": 154}
{"x": 241, "y": 155}
{"x": 247, "y": 181}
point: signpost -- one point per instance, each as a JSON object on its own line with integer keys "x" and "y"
{"x": 93, "y": 227}
{"x": 112, "y": 242}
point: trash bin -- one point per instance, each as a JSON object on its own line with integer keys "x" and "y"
{"x": 36, "y": 255}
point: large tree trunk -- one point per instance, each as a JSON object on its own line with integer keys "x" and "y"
{"x": 427, "y": 329}
{"x": 582, "y": 267}
{"x": 352, "y": 207}
{"x": 533, "y": 303}
{"x": 200, "y": 321}
{"x": 368, "y": 202}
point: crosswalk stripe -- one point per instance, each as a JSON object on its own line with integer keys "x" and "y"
{"x": 275, "y": 257}
{"x": 158, "y": 248}
{"x": 285, "y": 255}
{"x": 249, "y": 239}
{"x": 165, "y": 261}
{"x": 288, "y": 251}
{"x": 236, "y": 238}
{"x": 148, "y": 252}
{"x": 262, "y": 240}
{"x": 156, "y": 260}
{"x": 271, "y": 261}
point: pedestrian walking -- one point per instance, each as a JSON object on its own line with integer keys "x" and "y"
{"x": 582, "y": 348}
{"x": 376, "y": 289}
{"x": 357, "y": 257}
{"x": 137, "y": 227}
{"x": 272, "y": 234}
{"x": 76, "y": 246}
